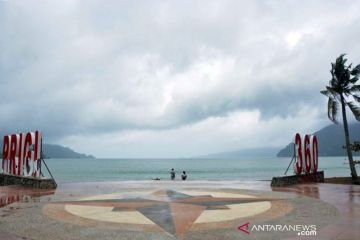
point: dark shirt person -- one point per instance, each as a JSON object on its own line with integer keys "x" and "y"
{"x": 184, "y": 176}
{"x": 172, "y": 174}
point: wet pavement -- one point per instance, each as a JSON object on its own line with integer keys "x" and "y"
{"x": 181, "y": 210}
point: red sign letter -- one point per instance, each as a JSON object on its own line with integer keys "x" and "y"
{"x": 298, "y": 154}
{"x": 307, "y": 154}
{"x": 6, "y": 154}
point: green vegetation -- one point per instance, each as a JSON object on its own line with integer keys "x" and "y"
{"x": 342, "y": 90}
{"x": 355, "y": 146}
{"x": 331, "y": 141}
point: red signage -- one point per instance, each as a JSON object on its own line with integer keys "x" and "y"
{"x": 307, "y": 159}
{"x": 21, "y": 154}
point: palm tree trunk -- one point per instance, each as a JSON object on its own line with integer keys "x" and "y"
{"x": 354, "y": 175}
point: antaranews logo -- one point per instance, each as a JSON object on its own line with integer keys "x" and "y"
{"x": 301, "y": 229}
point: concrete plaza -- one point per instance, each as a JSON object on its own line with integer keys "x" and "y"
{"x": 181, "y": 210}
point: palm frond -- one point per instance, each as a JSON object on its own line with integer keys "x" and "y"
{"x": 353, "y": 80}
{"x": 340, "y": 66}
{"x": 340, "y": 60}
{"x": 341, "y": 73}
{"x": 342, "y": 85}
{"x": 332, "y": 109}
{"x": 354, "y": 109}
{"x": 326, "y": 93}
{"x": 357, "y": 98}
{"x": 334, "y": 80}
{"x": 331, "y": 90}
{"x": 355, "y": 89}
{"x": 356, "y": 70}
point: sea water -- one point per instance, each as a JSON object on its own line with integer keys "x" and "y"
{"x": 88, "y": 170}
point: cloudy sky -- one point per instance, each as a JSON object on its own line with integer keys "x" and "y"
{"x": 170, "y": 78}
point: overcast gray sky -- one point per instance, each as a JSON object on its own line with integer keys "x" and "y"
{"x": 170, "y": 78}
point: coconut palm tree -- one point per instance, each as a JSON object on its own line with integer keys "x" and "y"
{"x": 342, "y": 89}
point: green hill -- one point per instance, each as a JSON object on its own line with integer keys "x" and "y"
{"x": 331, "y": 141}
{"x": 58, "y": 151}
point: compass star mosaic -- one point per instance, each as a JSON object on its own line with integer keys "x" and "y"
{"x": 174, "y": 212}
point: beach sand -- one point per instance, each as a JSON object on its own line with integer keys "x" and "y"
{"x": 178, "y": 210}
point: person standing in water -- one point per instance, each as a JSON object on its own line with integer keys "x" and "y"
{"x": 184, "y": 176}
{"x": 172, "y": 174}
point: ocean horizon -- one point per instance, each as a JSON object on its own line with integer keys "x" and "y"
{"x": 246, "y": 168}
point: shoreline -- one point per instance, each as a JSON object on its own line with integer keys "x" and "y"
{"x": 334, "y": 180}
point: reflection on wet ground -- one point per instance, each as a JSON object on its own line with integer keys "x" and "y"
{"x": 346, "y": 198}
{"x": 11, "y": 194}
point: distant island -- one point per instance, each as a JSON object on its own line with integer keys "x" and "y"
{"x": 58, "y": 151}
{"x": 331, "y": 141}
